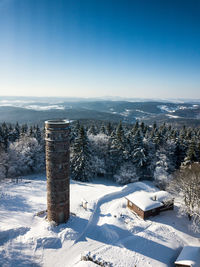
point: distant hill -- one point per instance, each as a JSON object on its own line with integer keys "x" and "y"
{"x": 37, "y": 110}
{"x": 22, "y": 115}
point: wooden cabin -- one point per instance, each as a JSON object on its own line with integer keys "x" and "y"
{"x": 146, "y": 204}
{"x": 189, "y": 257}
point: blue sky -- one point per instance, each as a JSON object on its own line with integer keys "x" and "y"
{"x": 91, "y": 48}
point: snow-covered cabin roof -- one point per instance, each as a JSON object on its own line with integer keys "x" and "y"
{"x": 189, "y": 256}
{"x": 148, "y": 200}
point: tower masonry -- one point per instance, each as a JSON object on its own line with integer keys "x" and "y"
{"x": 57, "y": 170}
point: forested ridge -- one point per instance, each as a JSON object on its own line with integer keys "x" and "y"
{"x": 123, "y": 152}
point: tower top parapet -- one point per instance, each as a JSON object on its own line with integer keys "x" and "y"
{"x": 56, "y": 123}
{"x": 56, "y": 130}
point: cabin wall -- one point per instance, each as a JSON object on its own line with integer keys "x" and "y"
{"x": 167, "y": 207}
{"x": 135, "y": 209}
{"x": 152, "y": 212}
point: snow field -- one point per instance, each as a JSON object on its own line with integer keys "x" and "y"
{"x": 107, "y": 229}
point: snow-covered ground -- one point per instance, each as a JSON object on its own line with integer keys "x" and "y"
{"x": 173, "y": 116}
{"x": 107, "y": 231}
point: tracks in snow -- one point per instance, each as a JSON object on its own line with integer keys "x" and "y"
{"x": 94, "y": 218}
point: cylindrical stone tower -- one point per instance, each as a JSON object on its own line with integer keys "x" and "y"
{"x": 57, "y": 170}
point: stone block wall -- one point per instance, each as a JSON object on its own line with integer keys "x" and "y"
{"x": 57, "y": 170}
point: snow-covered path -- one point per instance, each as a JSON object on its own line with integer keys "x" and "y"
{"x": 92, "y": 228}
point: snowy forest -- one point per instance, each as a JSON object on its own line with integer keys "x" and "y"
{"x": 125, "y": 153}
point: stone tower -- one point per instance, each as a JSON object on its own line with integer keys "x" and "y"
{"x": 57, "y": 170}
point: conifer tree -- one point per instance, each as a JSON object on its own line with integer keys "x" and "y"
{"x": 92, "y": 130}
{"x": 17, "y": 131}
{"x": 103, "y": 130}
{"x": 109, "y": 129}
{"x": 117, "y": 149}
{"x": 5, "y": 132}
{"x": 135, "y": 128}
{"x": 81, "y": 163}
{"x": 139, "y": 156}
{"x": 191, "y": 155}
{"x": 30, "y": 132}
{"x": 38, "y": 134}
{"x": 120, "y": 133}
{"x": 178, "y": 155}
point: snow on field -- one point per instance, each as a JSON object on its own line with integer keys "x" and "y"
{"x": 172, "y": 116}
{"x": 168, "y": 109}
{"x": 107, "y": 230}
{"x": 173, "y": 109}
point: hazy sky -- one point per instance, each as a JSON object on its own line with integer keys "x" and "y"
{"x": 89, "y": 48}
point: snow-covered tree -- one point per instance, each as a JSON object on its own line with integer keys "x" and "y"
{"x": 38, "y": 134}
{"x": 109, "y": 129}
{"x": 4, "y": 163}
{"x": 191, "y": 155}
{"x": 127, "y": 173}
{"x": 139, "y": 156}
{"x": 186, "y": 183}
{"x": 165, "y": 163}
{"x": 24, "y": 129}
{"x": 103, "y": 129}
{"x": 26, "y": 156}
{"x": 92, "y": 130}
{"x": 100, "y": 150}
{"x": 117, "y": 149}
{"x": 4, "y": 138}
{"x": 161, "y": 175}
{"x": 81, "y": 160}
